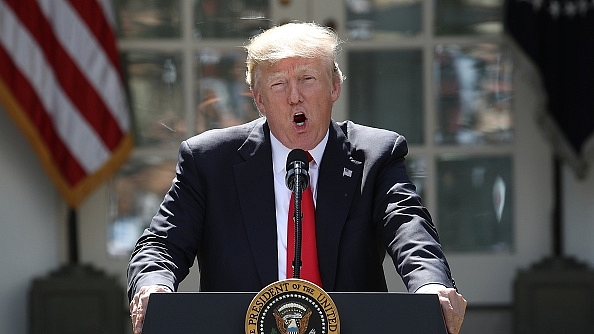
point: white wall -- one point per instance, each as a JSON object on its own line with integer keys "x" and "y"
{"x": 29, "y": 229}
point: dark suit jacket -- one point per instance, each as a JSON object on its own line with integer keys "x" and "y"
{"x": 221, "y": 209}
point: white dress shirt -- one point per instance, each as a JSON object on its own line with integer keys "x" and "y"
{"x": 282, "y": 194}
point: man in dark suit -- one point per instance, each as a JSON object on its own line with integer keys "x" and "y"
{"x": 227, "y": 203}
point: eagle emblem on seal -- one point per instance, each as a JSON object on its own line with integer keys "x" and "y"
{"x": 292, "y": 318}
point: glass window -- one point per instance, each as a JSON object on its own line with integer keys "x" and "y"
{"x": 159, "y": 92}
{"x": 230, "y": 18}
{"x": 386, "y": 91}
{"x": 474, "y": 94}
{"x": 155, "y": 85}
{"x": 368, "y": 19}
{"x": 416, "y": 167}
{"x": 386, "y": 73}
{"x": 468, "y": 17}
{"x": 137, "y": 192}
{"x": 148, "y": 19}
{"x": 475, "y": 196}
{"x": 223, "y": 96}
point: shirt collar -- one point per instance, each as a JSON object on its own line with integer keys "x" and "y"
{"x": 280, "y": 153}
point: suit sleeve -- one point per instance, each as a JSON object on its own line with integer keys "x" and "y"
{"x": 165, "y": 252}
{"x": 406, "y": 227}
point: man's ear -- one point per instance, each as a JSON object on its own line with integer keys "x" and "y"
{"x": 336, "y": 87}
{"x": 259, "y": 102}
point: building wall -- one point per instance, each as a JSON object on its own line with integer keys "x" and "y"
{"x": 29, "y": 229}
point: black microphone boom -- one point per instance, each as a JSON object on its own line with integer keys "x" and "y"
{"x": 297, "y": 170}
{"x": 297, "y": 179}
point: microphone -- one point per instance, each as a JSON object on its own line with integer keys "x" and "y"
{"x": 297, "y": 177}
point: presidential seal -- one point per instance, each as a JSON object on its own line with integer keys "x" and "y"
{"x": 292, "y": 306}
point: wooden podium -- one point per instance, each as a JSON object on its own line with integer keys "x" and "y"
{"x": 211, "y": 312}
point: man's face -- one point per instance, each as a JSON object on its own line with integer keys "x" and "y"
{"x": 296, "y": 96}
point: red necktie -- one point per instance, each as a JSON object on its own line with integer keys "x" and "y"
{"x": 310, "y": 270}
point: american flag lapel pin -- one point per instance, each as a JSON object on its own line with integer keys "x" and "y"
{"x": 347, "y": 172}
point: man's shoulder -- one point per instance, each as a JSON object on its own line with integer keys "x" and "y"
{"x": 363, "y": 133}
{"x": 236, "y": 134}
{"x": 373, "y": 142}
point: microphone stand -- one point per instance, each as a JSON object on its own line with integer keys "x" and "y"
{"x": 297, "y": 216}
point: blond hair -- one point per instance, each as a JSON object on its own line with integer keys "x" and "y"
{"x": 295, "y": 39}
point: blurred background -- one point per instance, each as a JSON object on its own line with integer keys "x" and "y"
{"x": 508, "y": 191}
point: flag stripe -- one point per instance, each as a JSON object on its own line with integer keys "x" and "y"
{"x": 38, "y": 118}
{"x": 108, "y": 13}
{"x": 87, "y": 48}
{"x": 74, "y": 83}
{"x": 92, "y": 59}
{"x": 99, "y": 26}
{"x": 70, "y": 126}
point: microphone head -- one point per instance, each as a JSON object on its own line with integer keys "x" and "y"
{"x": 297, "y": 170}
{"x": 297, "y": 155}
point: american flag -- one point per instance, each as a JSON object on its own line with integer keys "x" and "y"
{"x": 61, "y": 83}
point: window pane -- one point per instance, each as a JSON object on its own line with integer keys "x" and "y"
{"x": 155, "y": 85}
{"x": 416, "y": 167}
{"x": 468, "y": 17}
{"x": 474, "y": 94}
{"x": 230, "y": 18}
{"x": 386, "y": 91}
{"x": 148, "y": 19}
{"x": 475, "y": 197}
{"x": 223, "y": 96}
{"x": 383, "y": 19}
{"x": 135, "y": 196}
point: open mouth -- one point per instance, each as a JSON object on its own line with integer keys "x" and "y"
{"x": 299, "y": 119}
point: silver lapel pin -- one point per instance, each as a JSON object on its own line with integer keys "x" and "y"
{"x": 347, "y": 172}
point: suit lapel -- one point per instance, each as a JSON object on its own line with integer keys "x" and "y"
{"x": 340, "y": 174}
{"x": 254, "y": 179}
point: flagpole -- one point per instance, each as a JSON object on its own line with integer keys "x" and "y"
{"x": 557, "y": 208}
{"x": 72, "y": 236}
